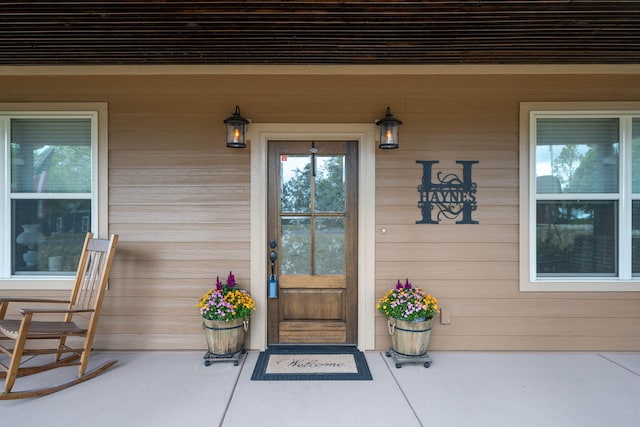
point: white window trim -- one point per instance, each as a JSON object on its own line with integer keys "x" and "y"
{"x": 528, "y": 281}
{"x": 98, "y": 111}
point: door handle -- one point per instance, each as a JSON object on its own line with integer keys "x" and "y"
{"x": 272, "y": 284}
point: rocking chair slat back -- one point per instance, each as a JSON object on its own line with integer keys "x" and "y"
{"x": 86, "y": 300}
{"x": 92, "y": 275}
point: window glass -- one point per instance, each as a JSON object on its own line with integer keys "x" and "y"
{"x": 48, "y": 234}
{"x": 635, "y": 238}
{"x": 51, "y": 155}
{"x": 50, "y": 204}
{"x": 635, "y": 155}
{"x": 635, "y": 178}
{"x": 576, "y": 238}
{"x": 577, "y": 155}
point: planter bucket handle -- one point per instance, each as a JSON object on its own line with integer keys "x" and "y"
{"x": 392, "y": 327}
{"x": 245, "y": 324}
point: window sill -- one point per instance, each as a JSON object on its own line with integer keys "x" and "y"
{"x": 586, "y": 285}
{"x": 40, "y": 283}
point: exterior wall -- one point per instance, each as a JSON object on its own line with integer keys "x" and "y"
{"x": 180, "y": 199}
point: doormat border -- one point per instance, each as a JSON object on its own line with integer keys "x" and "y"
{"x": 260, "y": 374}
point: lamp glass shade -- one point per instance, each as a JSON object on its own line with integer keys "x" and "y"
{"x": 389, "y": 136}
{"x": 389, "y": 128}
{"x": 236, "y": 130}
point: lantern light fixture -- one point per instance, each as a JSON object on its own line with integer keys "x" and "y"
{"x": 389, "y": 128}
{"x": 236, "y": 129}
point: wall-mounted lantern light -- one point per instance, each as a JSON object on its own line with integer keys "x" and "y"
{"x": 389, "y": 130}
{"x": 236, "y": 129}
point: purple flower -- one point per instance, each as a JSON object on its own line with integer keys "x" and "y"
{"x": 218, "y": 283}
{"x": 231, "y": 280}
{"x": 407, "y": 285}
{"x": 399, "y": 285}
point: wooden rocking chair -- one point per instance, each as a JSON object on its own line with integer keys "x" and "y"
{"x": 86, "y": 301}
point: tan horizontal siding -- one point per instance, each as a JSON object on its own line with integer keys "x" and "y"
{"x": 172, "y": 177}
{"x": 536, "y": 343}
{"x": 473, "y": 269}
{"x": 445, "y": 270}
{"x": 179, "y": 269}
{"x": 180, "y": 199}
{"x": 498, "y": 215}
{"x": 174, "y": 214}
{"x": 460, "y": 252}
{"x": 481, "y": 233}
{"x": 148, "y": 230}
{"x": 137, "y": 340}
{"x": 407, "y": 195}
{"x": 531, "y": 333}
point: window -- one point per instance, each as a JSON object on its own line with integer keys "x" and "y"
{"x": 50, "y": 198}
{"x": 581, "y": 208}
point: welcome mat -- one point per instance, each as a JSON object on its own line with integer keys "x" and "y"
{"x": 311, "y": 362}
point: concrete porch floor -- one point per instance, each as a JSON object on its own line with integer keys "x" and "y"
{"x": 459, "y": 389}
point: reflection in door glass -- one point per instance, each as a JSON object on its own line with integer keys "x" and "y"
{"x": 296, "y": 183}
{"x": 296, "y": 245}
{"x": 329, "y": 245}
{"x": 329, "y": 184}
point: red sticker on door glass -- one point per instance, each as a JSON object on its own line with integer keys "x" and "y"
{"x": 283, "y": 158}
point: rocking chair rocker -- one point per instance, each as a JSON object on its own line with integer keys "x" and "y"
{"x": 86, "y": 301}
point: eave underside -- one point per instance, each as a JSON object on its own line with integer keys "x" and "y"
{"x": 322, "y": 32}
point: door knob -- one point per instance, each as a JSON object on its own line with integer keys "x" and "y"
{"x": 272, "y": 289}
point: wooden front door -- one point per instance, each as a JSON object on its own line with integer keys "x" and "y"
{"x": 312, "y": 228}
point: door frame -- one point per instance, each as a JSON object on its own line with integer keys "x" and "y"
{"x": 258, "y": 136}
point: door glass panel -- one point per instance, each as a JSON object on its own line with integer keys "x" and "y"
{"x": 329, "y": 245}
{"x": 296, "y": 245}
{"x": 577, "y": 155}
{"x": 329, "y": 184}
{"x": 295, "y": 183}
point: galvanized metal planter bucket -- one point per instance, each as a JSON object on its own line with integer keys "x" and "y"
{"x": 410, "y": 338}
{"x": 225, "y": 337}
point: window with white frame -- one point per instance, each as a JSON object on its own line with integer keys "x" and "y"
{"x": 49, "y": 199}
{"x": 583, "y": 216}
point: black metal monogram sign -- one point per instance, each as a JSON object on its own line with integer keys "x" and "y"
{"x": 451, "y": 195}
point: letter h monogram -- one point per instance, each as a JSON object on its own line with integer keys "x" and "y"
{"x": 450, "y": 194}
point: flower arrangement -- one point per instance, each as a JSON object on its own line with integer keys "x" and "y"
{"x": 226, "y": 302}
{"x": 405, "y": 302}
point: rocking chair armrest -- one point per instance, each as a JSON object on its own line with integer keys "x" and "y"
{"x": 4, "y": 302}
{"x": 28, "y": 299}
{"x": 24, "y": 311}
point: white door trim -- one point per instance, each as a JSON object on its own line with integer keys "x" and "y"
{"x": 258, "y": 134}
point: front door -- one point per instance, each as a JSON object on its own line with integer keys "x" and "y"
{"x": 312, "y": 228}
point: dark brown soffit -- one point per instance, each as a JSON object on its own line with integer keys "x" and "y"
{"x": 319, "y": 32}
